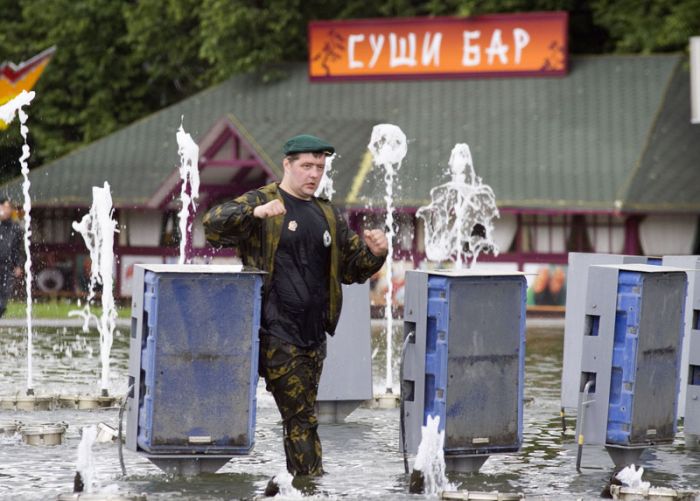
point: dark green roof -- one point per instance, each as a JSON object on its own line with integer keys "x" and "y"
{"x": 590, "y": 140}
{"x": 668, "y": 173}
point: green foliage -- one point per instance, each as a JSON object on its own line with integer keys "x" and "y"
{"x": 118, "y": 61}
{"x": 114, "y": 63}
{"x": 91, "y": 87}
{"x": 165, "y": 37}
{"x": 649, "y": 26}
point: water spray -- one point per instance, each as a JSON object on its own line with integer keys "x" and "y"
{"x": 7, "y": 114}
{"x": 85, "y": 464}
{"x": 325, "y": 186}
{"x": 97, "y": 229}
{"x": 458, "y": 220}
{"x": 189, "y": 191}
{"x": 388, "y": 146}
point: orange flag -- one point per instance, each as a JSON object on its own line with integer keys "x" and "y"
{"x": 16, "y": 78}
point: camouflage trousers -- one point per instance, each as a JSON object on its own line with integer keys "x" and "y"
{"x": 292, "y": 375}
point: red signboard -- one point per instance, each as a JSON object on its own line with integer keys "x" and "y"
{"x": 527, "y": 44}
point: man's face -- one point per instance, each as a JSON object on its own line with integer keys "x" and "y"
{"x": 5, "y": 211}
{"x": 303, "y": 174}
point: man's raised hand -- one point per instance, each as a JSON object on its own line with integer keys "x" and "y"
{"x": 376, "y": 242}
{"x": 270, "y": 209}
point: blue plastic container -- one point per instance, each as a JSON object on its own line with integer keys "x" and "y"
{"x": 474, "y": 362}
{"x": 199, "y": 363}
{"x": 645, "y": 363}
{"x": 436, "y": 350}
{"x": 624, "y": 361}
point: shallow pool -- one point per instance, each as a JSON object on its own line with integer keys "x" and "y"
{"x": 361, "y": 457}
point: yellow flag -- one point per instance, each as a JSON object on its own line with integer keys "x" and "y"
{"x": 16, "y": 78}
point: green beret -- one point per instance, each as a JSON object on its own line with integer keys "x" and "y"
{"x": 306, "y": 143}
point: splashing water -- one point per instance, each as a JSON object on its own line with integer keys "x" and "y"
{"x": 283, "y": 479}
{"x": 7, "y": 114}
{"x": 458, "y": 220}
{"x": 85, "y": 465}
{"x": 430, "y": 458}
{"x": 97, "y": 229}
{"x": 85, "y": 312}
{"x": 189, "y": 191}
{"x": 632, "y": 477}
{"x": 85, "y": 228}
{"x": 388, "y": 146}
{"x": 325, "y": 187}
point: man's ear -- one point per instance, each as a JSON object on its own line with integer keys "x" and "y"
{"x": 286, "y": 164}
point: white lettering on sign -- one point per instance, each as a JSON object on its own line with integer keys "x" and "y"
{"x": 352, "y": 40}
{"x": 376, "y": 42}
{"x": 471, "y": 54}
{"x": 403, "y": 50}
{"x": 431, "y": 49}
{"x": 497, "y": 48}
{"x": 520, "y": 39}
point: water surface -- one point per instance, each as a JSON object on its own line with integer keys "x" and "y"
{"x": 361, "y": 456}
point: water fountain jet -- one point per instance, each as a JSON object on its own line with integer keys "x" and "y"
{"x": 189, "y": 191}
{"x": 325, "y": 186}
{"x": 429, "y": 467}
{"x": 458, "y": 220}
{"x": 97, "y": 229}
{"x": 388, "y": 146}
{"x": 7, "y": 114}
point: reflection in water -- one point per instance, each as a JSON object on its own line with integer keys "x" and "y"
{"x": 361, "y": 457}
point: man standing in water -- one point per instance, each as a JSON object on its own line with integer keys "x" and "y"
{"x": 11, "y": 253}
{"x": 308, "y": 250}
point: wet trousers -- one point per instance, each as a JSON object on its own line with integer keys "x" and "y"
{"x": 292, "y": 375}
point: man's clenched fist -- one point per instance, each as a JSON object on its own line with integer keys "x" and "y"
{"x": 270, "y": 209}
{"x": 376, "y": 242}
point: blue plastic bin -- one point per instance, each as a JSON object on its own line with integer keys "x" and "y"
{"x": 645, "y": 363}
{"x": 199, "y": 363}
{"x": 474, "y": 362}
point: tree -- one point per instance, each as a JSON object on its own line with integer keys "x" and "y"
{"x": 91, "y": 86}
{"x": 650, "y": 26}
{"x": 114, "y": 63}
{"x": 118, "y": 61}
{"x": 165, "y": 37}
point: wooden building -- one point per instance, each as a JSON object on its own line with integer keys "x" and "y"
{"x": 603, "y": 159}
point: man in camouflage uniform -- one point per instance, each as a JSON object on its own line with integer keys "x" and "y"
{"x": 308, "y": 250}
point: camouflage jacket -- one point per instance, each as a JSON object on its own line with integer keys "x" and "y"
{"x": 232, "y": 224}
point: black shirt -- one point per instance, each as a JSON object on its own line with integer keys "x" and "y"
{"x": 298, "y": 297}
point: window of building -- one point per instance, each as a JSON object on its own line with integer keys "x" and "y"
{"x": 55, "y": 225}
{"x": 555, "y": 233}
